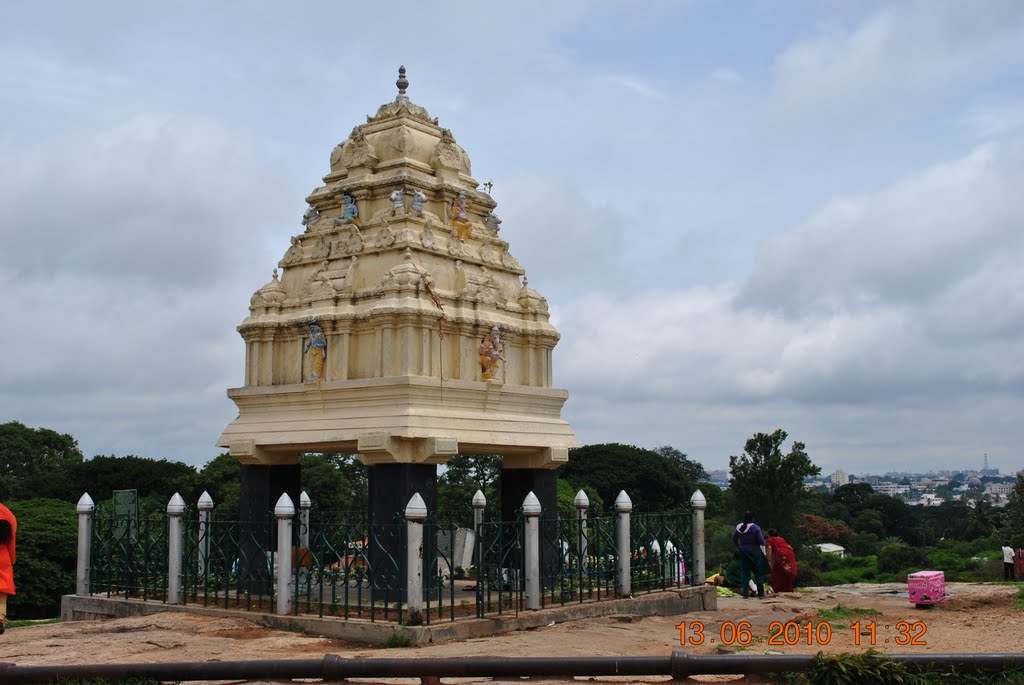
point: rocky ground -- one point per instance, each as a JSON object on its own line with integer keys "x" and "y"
{"x": 975, "y": 619}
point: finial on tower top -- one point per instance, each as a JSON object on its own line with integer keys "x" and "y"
{"x": 402, "y": 84}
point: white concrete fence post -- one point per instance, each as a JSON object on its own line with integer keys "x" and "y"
{"x": 531, "y": 512}
{"x": 415, "y": 515}
{"x": 175, "y": 539}
{"x": 623, "y": 507}
{"x": 479, "y": 504}
{"x": 304, "y": 505}
{"x": 284, "y": 510}
{"x": 699, "y": 504}
{"x": 85, "y": 509}
{"x": 582, "y": 503}
{"x": 205, "y": 505}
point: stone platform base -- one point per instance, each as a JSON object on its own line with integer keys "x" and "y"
{"x": 670, "y": 602}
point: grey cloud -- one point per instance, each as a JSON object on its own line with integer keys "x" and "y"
{"x": 156, "y": 200}
{"x": 900, "y": 56}
{"x": 909, "y": 243}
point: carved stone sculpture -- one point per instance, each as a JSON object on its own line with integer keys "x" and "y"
{"x": 354, "y": 152}
{"x": 385, "y": 237}
{"x": 456, "y": 248}
{"x": 492, "y": 222}
{"x": 397, "y": 202}
{"x": 418, "y": 199}
{"x": 350, "y": 244}
{"x": 310, "y": 218}
{"x": 448, "y": 155}
{"x": 321, "y": 248}
{"x": 294, "y": 255}
{"x": 428, "y": 239}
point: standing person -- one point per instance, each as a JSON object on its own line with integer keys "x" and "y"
{"x": 781, "y": 560}
{"x": 1018, "y": 563}
{"x": 8, "y": 529}
{"x": 1008, "y": 561}
{"x": 749, "y": 540}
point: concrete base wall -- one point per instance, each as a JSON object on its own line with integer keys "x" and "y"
{"x": 703, "y": 598}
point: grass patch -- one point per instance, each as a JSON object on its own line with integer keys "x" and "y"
{"x": 1018, "y": 601}
{"x": 399, "y": 638}
{"x": 839, "y": 615}
{"x": 22, "y": 622}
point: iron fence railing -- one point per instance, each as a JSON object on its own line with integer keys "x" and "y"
{"x": 343, "y": 566}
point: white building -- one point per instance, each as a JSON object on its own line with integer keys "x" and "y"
{"x": 839, "y": 477}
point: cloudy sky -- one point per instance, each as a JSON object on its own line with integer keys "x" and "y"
{"x": 746, "y": 215}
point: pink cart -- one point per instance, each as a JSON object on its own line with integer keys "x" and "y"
{"x": 926, "y": 587}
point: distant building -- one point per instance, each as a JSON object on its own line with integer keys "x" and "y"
{"x": 830, "y": 548}
{"x": 891, "y": 489}
{"x": 839, "y": 478}
{"x": 999, "y": 488}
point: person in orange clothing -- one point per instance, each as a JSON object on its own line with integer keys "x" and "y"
{"x": 8, "y": 529}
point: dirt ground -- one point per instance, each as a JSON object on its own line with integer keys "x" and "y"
{"x": 974, "y": 619}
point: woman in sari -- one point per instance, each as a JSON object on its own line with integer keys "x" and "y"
{"x": 781, "y": 560}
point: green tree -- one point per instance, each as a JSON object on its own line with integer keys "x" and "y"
{"x": 652, "y": 481}
{"x": 717, "y": 499}
{"x": 221, "y": 477}
{"x": 154, "y": 479}
{"x": 694, "y": 470}
{"x": 1014, "y": 521}
{"x": 334, "y": 482}
{"x": 567, "y": 499}
{"x": 769, "y": 483}
{"x": 47, "y": 548}
{"x": 463, "y": 476}
{"x": 36, "y": 462}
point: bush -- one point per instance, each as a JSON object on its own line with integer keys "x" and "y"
{"x": 47, "y": 544}
{"x": 899, "y": 559}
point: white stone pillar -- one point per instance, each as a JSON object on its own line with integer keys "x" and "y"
{"x": 415, "y": 514}
{"x": 175, "y": 539}
{"x": 205, "y": 508}
{"x": 582, "y": 503}
{"x": 85, "y": 510}
{"x": 699, "y": 504}
{"x": 304, "y": 504}
{"x": 623, "y": 507}
{"x": 479, "y": 504}
{"x": 531, "y": 512}
{"x": 284, "y": 510}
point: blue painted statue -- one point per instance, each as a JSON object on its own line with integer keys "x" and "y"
{"x": 350, "y": 214}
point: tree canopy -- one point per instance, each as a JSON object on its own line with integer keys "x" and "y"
{"x": 36, "y": 462}
{"x": 653, "y": 481}
{"x": 769, "y": 483}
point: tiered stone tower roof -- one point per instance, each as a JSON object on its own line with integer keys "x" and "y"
{"x": 402, "y": 267}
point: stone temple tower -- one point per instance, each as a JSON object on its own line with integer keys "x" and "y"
{"x": 400, "y": 328}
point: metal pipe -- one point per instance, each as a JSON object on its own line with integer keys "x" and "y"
{"x": 334, "y": 668}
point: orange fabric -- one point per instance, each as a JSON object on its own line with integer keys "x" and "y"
{"x": 7, "y": 554}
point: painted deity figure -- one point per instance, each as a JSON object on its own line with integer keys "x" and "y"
{"x": 418, "y": 200}
{"x": 459, "y": 217}
{"x": 317, "y": 350}
{"x": 350, "y": 213}
{"x": 491, "y": 354}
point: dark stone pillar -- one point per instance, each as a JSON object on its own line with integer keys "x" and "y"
{"x": 261, "y": 487}
{"x": 517, "y": 483}
{"x": 391, "y": 487}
